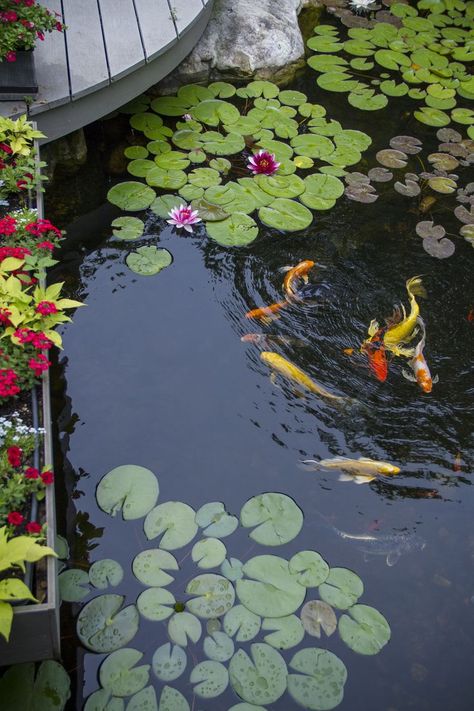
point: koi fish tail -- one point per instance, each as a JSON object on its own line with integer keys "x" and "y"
{"x": 396, "y": 316}
{"x": 313, "y": 465}
{"x": 415, "y": 287}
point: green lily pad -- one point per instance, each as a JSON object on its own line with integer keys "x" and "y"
{"x": 183, "y": 626}
{"x": 145, "y": 121}
{"x": 49, "y": 691}
{"x": 162, "y": 205}
{"x": 149, "y": 567}
{"x": 464, "y": 116}
{"x": 283, "y": 186}
{"x": 288, "y": 631}
{"x": 321, "y": 191}
{"x": 170, "y": 105}
{"x": 215, "y": 520}
{"x": 218, "y": 646}
{"x": 119, "y": 675}
{"x": 278, "y": 519}
{"x": 140, "y": 167}
{"x": 243, "y": 622}
{"x": 367, "y": 100}
{"x": 221, "y": 164}
{"x": 169, "y": 662}
{"x": 232, "y": 569}
{"x": 337, "y": 81}
{"x": 324, "y": 44}
{"x": 131, "y": 196}
{"x": 256, "y": 195}
{"x": 312, "y": 146}
{"x": 319, "y": 685}
{"x": 286, "y": 215}
{"x": 144, "y": 700}
{"x": 204, "y": 177}
{"x": 291, "y": 97}
{"x": 317, "y": 615}
{"x": 259, "y": 88}
{"x": 233, "y": 198}
{"x": 261, "y": 678}
{"x": 156, "y": 604}
{"x": 128, "y": 227}
{"x": 215, "y": 111}
{"x": 360, "y": 64}
{"x": 102, "y": 700}
{"x": 191, "y": 192}
{"x": 105, "y": 572}
{"x": 222, "y": 89}
{"x": 211, "y": 679}
{"x": 245, "y": 126}
{"x": 193, "y": 93}
{"x": 327, "y": 63}
{"x": 172, "y": 160}
{"x": 134, "y": 152}
{"x": 432, "y": 117}
{"x": 149, "y": 260}
{"x": 208, "y": 211}
{"x": 309, "y": 568}
{"x": 209, "y": 553}
{"x": 342, "y": 588}
{"x": 197, "y": 155}
{"x": 220, "y": 145}
{"x": 391, "y": 88}
{"x": 166, "y": 179}
{"x": 172, "y": 700}
{"x": 271, "y": 590}
{"x": 442, "y": 185}
{"x": 129, "y": 488}
{"x": 157, "y": 147}
{"x": 235, "y": 231}
{"x": 175, "y": 521}
{"x": 103, "y": 627}
{"x": 303, "y": 162}
{"x": 364, "y": 629}
{"x": 187, "y": 139}
{"x": 215, "y": 595}
{"x": 73, "y": 585}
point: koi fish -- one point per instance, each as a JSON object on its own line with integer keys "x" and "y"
{"x": 266, "y": 312}
{"x": 360, "y": 471}
{"x": 457, "y": 463}
{"x": 261, "y": 339}
{"x": 418, "y": 364}
{"x": 375, "y": 350}
{"x": 404, "y": 330}
{"x": 292, "y": 372}
{"x": 294, "y": 274}
{"x": 470, "y": 316}
{"x": 392, "y": 546}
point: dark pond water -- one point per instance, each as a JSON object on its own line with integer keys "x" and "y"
{"x": 154, "y": 373}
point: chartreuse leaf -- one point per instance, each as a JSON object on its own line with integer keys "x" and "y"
{"x": 156, "y": 604}
{"x": 119, "y": 675}
{"x": 193, "y": 93}
{"x": 239, "y": 619}
{"x": 271, "y": 591}
{"x": 166, "y": 179}
{"x": 222, "y": 89}
{"x": 175, "y": 521}
{"x": 169, "y": 662}
{"x": 215, "y": 520}
{"x": 261, "y": 678}
{"x": 215, "y": 111}
{"x": 172, "y": 700}
{"x": 170, "y": 105}
{"x": 432, "y": 117}
{"x": 144, "y": 700}
{"x": 309, "y": 568}
{"x": 73, "y": 585}
{"x": 140, "y": 167}
{"x": 218, "y": 646}
{"x": 134, "y": 152}
{"x": 288, "y": 631}
{"x": 215, "y": 595}
{"x": 277, "y": 518}
{"x": 131, "y": 196}
{"x": 237, "y": 230}
{"x": 319, "y": 685}
{"x": 103, "y": 627}
{"x": 127, "y": 227}
{"x": 129, "y": 488}
{"x": 285, "y": 186}
{"x": 342, "y": 588}
{"x": 184, "y": 625}
{"x": 105, "y": 572}
{"x": 208, "y": 553}
{"x": 211, "y": 679}
{"x": 149, "y": 567}
{"x": 191, "y": 192}
{"x": 145, "y": 121}
{"x": 364, "y": 629}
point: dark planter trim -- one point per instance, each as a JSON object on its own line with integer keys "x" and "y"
{"x": 18, "y": 79}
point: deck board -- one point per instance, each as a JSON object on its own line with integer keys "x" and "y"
{"x": 87, "y": 59}
{"x": 156, "y": 26}
{"x": 51, "y": 67}
{"x": 123, "y": 43}
{"x": 185, "y": 12}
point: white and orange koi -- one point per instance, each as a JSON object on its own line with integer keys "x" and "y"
{"x": 421, "y": 372}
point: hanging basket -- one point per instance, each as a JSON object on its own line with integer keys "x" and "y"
{"x": 18, "y": 79}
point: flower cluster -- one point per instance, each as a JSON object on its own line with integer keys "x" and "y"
{"x": 22, "y": 23}
{"x": 17, "y": 157}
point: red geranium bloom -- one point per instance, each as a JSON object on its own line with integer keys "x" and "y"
{"x": 45, "y": 245}
{"x": 33, "y": 527}
{"x": 20, "y": 184}
{"x": 4, "y": 317}
{"x": 47, "y": 477}
{"x": 24, "y": 335}
{"x": 41, "y": 342}
{"x": 14, "y": 455}
{"x": 31, "y": 473}
{"x": 15, "y": 518}
{"x": 7, "y": 225}
{"x": 10, "y": 16}
{"x": 6, "y": 148}
{"x": 46, "y": 307}
{"x": 8, "y": 386}
{"x": 39, "y": 364}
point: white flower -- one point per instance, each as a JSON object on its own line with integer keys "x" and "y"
{"x": 361, "y": 5}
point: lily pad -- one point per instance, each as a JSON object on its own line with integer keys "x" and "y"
{"x": 183, "y": 626}
{"x": 321, "y": 191}
{"x": 170, "y": 105}
{"x": 288, "y": 631}
{"x": 211, "y": 679}
{"x": 128, "y": 227}
{"x": 286, "y": 215}
{"x": 464, "y": 116}
{"x": 317, "y": 615}
{"x": 464, "y": 215}
{"x": 361, "y": 192}
{"x": 208, "y": 211}
{"x": 432, "y": 117}
{"x": 149, "y": 260}
{"x": 312, "y": 145}
{"x": 101, "y": 700}
{"x": 172, "y": 160}
{"x": 166, "y": 179}
{"x": 119, "y": 675}
{"x": 222, "y": 89}
{"x": 220, "y": 145}
{"x": 173, "y": 519}
{"x": 103, "y": 627}
{"x": 380, "y": 175}
{"x": 235, "y": 231}
{"x": 169, "y": 662}
{"x": 441, "y": 249}
{"x": 243, "y": 622}
{"x": 364, "y": 629}
{"x": 448, "y": 135}
{"x": 271, "y": 591}
{"x": 261, "y": 678}
{"x": 204, "y": 177}
{"x": 278, "y": 519}
{"x": 133, "y": 152}
{"x": 442, "y": 185}
{"x": 309, "y": 568}
{"x": 215, "y": 111}
{"x": 367, "y": 100}
{"x": 105, "y": 572}
{"x": 164, "y": 204}
{"x": 140, "y": 167}
{"x": 218, "y": 646}
{"x": 342, "y": 588}
{"x": 443, "y": 161}
{"x": 149, "y": 567}
{"x": 156, "y": 604}
{"x": 209, "y": 553}
{"x": 214, "y": 595}
{"x": 129, "y": 488}
{"x": 172, "y": 700}
{"x": 73, "y": 585}
{"x": 220, "y": 164}
{"x": 410, "y": 188}
{"x": 215, "y": 520}
{"x": 319, "y": 685}
{"x": 232, "y": 569}
{"x": 131, "y": 196}
{"x": 406, "y": 144}
{"x": 427, "y": 228}
{"x": 144, "y": 700}
{"x": 191, "y": 192}
{"x": 145, "y": 121}
{"x": 391, "y": 158}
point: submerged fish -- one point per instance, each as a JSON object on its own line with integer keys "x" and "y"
{"x": 264, "y": 340}
{"x": 392, "y": 545}
{"x": 293, "y": 373}
{"x": 360, "y": 471}
{"x": 266, "y": 312}
{"x": 294, "y": 274}
{"x": 375, "y": 351}
{"x": 405, "y": 330}
{"x": 421, "y": 372}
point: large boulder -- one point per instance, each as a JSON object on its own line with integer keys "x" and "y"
{"x": 244, "y": 40}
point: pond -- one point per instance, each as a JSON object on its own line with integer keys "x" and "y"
{"x": 157, "y": 372}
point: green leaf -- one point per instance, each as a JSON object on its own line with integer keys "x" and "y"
{"x": 221, "y": 164}
{"x": 128, "y": 227}
{"x": 317, "y": 615}
{"x": 208, "y": 553}
{"x": 73, "y": 585}
{"x": 312, "y": 146}
{"x": 164, "y": 204}
{"x": 211, "y": 679}
{"x": 187, "y": 139}
{"x": 288, "y": 631}
{"x": 261, "y": 678}
{"x": 442, "y": 185}
{"x": 219, "y": 145}
{"x": 286, "y": 215}
{"x": 101, "y": 700}
{"x": 105, "y": 572}
{"x": 324, "y": 44}
{"x": 292, "y": 98}
{"x": 149, "y": 260}
{"x": 131, "y": 196}
{"x": 173, "y": 519}
{"x": 156, "y": 604}
{"x": 214, "y": 595}
{"x": 103, "y": 627}
{"x": 243, "y": 622}
{"x": 172, "y": 160}
{"x": 391, "y": 88}
{"x": 184, "y": 625}
{"x": 232, "y": 569}
{"x": 364, "y": 629}
{"x": 145, "y": 121}
{"x": 157, "y": 147}
{"x": 235, "y": 231}
{"x": 218, "y": 646}
{"x": 133, "y": 152}
{"x": 432, "y": 117}
{"x": 144, "y": 700}
{"x": 321, "y": 191}
{"x": 169, "y": 662}
{"x": 129, "y": 488}
{"x": 464, "y": 116}
{"x": 283, "y": 186}
{"x": 309, "y": 568}
{"x": 191, "y": 192}
{"x": 366, "y": 101}
{"x": 193, "y": 93}
{"x": 172, "y": 700}
{"x": 259, "y": 88}
{"x": 197, "y": 155}
{"x": 170, "y": 105}
{"x": 319, "y": 686}
{"x": 119, "y": 675}
{"x": 222, "y": 89}
{"x": 342, "y": 588}
{"x": 256, "y": 195}
{"x": 204, "y": 177}
{"x": 278, "y": 519}
{"x": 149, "y": 566}
{"x": 215, "y": 520}
{"x": 272, "y": 590}
{"x": 208, "y": 211}
{"x": 166, "y": 179}
{"x": 6, "y": 619}
{"x": 140, "y": 167}
{"x": 215, "y": 111}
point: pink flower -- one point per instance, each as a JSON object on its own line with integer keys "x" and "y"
{"x": 45, "y": 245}
{"x": 183, "y": 216}
{"x": 39, "y": 364}
{"x": 46, "y": 307}
{"x": 187, "y": 117}
{"x": 263, "y": 163}
{"x": 10, "y": 56}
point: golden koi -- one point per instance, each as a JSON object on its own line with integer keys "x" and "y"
{"x": 293, "y": 274}
{"x": 360, "y": 471}
{"x": 266, "y": 312}
{"x": 292, "y": 372}
{"x": 404, "y": 330}
{"x": 421, "y": 372}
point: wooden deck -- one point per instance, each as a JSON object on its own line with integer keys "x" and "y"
{"x": 112, "y": 51}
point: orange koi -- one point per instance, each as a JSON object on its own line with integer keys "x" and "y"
{"x": 376, "y": 355}
{"x": 458, "y": 463}
{"x": 470, "y": 316}
{"x": 266, "y": 311}
{"x": 348, "y": 351}
{"x": 421, "y": 372}
{"x": 293, "y": 274}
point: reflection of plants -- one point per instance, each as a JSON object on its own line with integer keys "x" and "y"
{"x": 269, "y": 591}
{"x": 307, "y": 150}
{"x": 48, "y": 690}
{"x": 424, "y": 49}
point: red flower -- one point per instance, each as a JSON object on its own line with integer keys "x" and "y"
{"x": 47, "y": 477}
{"x": 41, "y": 342}
{"x": 7, "y": 224}
{"x": 15, "y": 518}
{"x": 14, "y": 455}
{"x": 8, "y": 387}
{"x": 10, "y": 16}
{"x": 17, "y": 252}
{"x": 59, "y": 26}
{"x": 45, "y": 245}
{"x": 40, "y": 35}
{"x": 6, "y": 148}
{"x": 33, "y": 527}
{"x": 39, "y": 364}
{"x": 46, "y": 307}
{"x": 20, "y": 184}
{"x": 31, "y": 473}
{"x": 41, "y": 226}
{"x": 4, "y": 314}
{"x": 24, "y": 335}
{"x": 10, "y": 56}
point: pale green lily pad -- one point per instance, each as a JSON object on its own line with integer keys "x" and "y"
{"x": 102, "y": 700}
{"x": 105, "y": 572}
{"x": 140, "y": 167}
{"x": 342, "y": 588}
{"x": 367, "y": 100}
{"x": 364, "y": 629}
{"x": 191, "y": 192}
{"x": 391, "y": 88}
{"x": 237, "y": 230}
{"x": 277, "y": 518}
{"x": 337, "y": 81}
{"x": 281, "y": 151}
{"x": 169, "y": 662}
{"x": 172, "y": 700}
{"x": 129, "y": 488}
{"x": 204, "y": 177}
{"x": 233, "y": 198}
{"x": 288, "y": 631}
{"x": 208, "y": 553}
{"x": 131, "y": 196}
{"x": 215, "y": 520}
{"x": 290, "y": 97}
{"x": 259, "y": 88}
{"x": 208, "y": 211}
{"x": 312, "y": 145}
{"x": 245, "y": 126}
{"x": 144, "y": 700}
{"x": 256, "y": 195}
{"x": 166, "y": 179}
{"x": 246, "y": 707}
{"x": 149, "y": 260}
{"x": 172, "y": 160}
{"x": 432, "y": 117}
{"x": 309, "y": 568}
{"x": 317, "y": 615}
{"x": 389, "y": 59}
{"x": 149, "y": 567}
{"x": 193, "y": 93}
{"x": 157, "y": 147}
{"x": 261, "y": 678}
{"x": 286, "y": 215}
{"x": 214, "y": 595}
{"x": 220, "y": 164}
{"x": 145, "y": 121}
{"x": 119, "y": 675}
{"x": 284, "y": 186}
{"x": 319, "y": 685}
{"x": 162, "y": 205}
{"x": 215, "y": 111}
{"x": 327, "y": 63}
{"x": 211, "y": 679}
{"x": 303, "y": 162}
{"x": 272, "y": 590}
{"x": 321, "y": 191}
{"x": 218, "y": 646}
{"x": 220, "y": 145}
{"x": 103, "y": 627}
{"x": 187, "y": 139}
{"x": 442, "y": 185}
{"x": 170, "y": 105}
{"x": 183, "y": 626}
{"x": 61, "y": 546}
{"x": 463, "y": 116}
{"x": 243, "y": 622}
{"x": 133, "y": 152}
{"x": 222, "y": 89}
{"x": 73, "y": 585}
{"x": 156, "y": 604}
{"x": 351, "y": 138}
{"x": 175, "y": 521}
{"x": 127, "y": 227}
{"x": 232, "y": 569}
{"x": 197, "y": 155}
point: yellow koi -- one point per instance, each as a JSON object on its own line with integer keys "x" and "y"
{"x": 360, "y": 471}
{"x": 404, "y": 330}
{"x": 292, "y": 372}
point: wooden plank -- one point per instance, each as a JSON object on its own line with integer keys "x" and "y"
{"x": 185, "y": 13}
{"x": 51, "y": 66}
{"x": 12, "y": 109}
{"x": 123, "y": 43}
{"x": 88, "y": 70}
{"x": 157, "y": 28}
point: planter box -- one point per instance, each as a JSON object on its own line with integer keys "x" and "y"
{"x": 18, "y": 79}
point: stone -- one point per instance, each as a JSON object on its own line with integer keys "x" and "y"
{"x": 66, "y": 155}
{"x": 244, "y": 41}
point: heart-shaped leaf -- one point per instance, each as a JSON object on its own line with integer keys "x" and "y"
{"x": 183, "y": 626}
{"x": 215, "y": 520}
{"x": 288, "y": 631}
{"x": 127, "y": 227}
{"x": 319, "y": 685}
{"x": 119, "y": 675}
{"x": 211, "y": 679}
{"x": 309, "y": 568}
{"x": 156, "y": 604}
{"x": 169, "y": 662}
{"x": 131, "y": 196}
{"x": 129, "y": 488}
{"x": 175, "y": 521}
{"x": 237, "y": 230}
{"x": 208, "y": 553}
{"x": 261, "y": 678}
{"x": 342, "y": 588}
{"x": 239, "y": 619}
{"x": 317, "y": 615}
{"x": 73, "y": 585}
{"x": 286, "y": 215}
{"x": 214, "y": 595}
{"x": 364, "y": 629}
{"x": 271, "y": 591}
{"x": 149, "y": 260}
{"x": 103, "y": 627}
{"x": 105, "y": 572}
{"x": 149, "y": 567}
{"x": 278, "y": 519}
{"x": 218, "y": 646}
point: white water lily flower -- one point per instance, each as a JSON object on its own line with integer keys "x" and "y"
{"x": 361, "y": 5}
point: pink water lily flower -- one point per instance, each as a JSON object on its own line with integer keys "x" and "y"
{"x": 183, "y": 216}
{"x": 263, "y": 163}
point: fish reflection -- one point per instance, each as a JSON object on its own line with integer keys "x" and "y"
{"x": 392, "y": 546}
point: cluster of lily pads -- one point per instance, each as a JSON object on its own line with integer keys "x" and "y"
{"x": 426, "y": 50}
{"x": 200, "y": 155}
{"x": 271, "y": 602}
{"x": 454, "y": 153}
